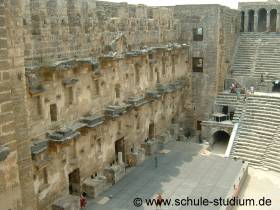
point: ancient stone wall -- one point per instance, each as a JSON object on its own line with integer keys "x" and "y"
{"x": 60, "y": 30}
{"x": 16, "y": 170}
{"x": 76, "y": 58}
{"x": 220, "y": 30}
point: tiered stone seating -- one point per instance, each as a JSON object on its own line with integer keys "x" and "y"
{"x": 246, "y": 54}
{"x": 268, "y": 57}
{"x": 255, "y": 141}
{"x": 228, "y": 99}
{"x": 272, "y": 155}
{"x": 257, "y": 54}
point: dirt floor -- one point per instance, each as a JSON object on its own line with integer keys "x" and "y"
{"x": 261, "y": 184}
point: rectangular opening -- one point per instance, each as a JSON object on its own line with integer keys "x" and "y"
{"x": 198, "y": 34}
{"x": 68, "y": 96}
{"x": 45, "y": 175}
{"x": 197, "y": 64}
{"x": 74, "y": 182}
{"x": 119, "y": 147}
{"x": 225, "y": 110}
{"x": 151, "y": 130}
{"x": 53, "y": 112}
{"x": 118, "y": 90}
{"x": 198, "y": 125}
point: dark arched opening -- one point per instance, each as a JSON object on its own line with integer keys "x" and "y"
{"x": 273, "y": 18}
{"x": 220, "y": 142}
{"x": 220, "y": 136}
{"x": 242, "y": 21}
{"x": 251, "y": 14}
{"x": 262, "y": 15}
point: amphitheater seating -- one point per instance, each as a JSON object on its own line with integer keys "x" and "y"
{"x": 228, "y": 99}
{"x": 257, "y": 54}
{"x": 257, "y": 139}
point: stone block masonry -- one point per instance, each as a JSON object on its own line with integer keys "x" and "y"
{"x": 66, "y": 60}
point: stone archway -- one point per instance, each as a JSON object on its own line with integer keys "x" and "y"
{"x": 220, "y": 135}
{"x": 251, "y": 20}
{"x": 242, "y": 21}
{"x": 220, "y": 141}
{"x": 262, "y": 19}
{"x": 273, "y": 20}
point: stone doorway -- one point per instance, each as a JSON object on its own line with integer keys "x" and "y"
{"x": 220, "y": 142}
{"x": 151, "y": 130}
{"x": 120, "y": 147}
{"x": 251, "y": 21}
{"x": 273, "y": 20}
{"x": 74, "y": 182}
{"x": 262, "y": 20}
{"x": 53, "y": 112}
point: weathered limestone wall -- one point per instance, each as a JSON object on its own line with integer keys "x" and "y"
{"x": 16, "y": 185}
{"x": 220, "y": 31}
{"x": 165, "y": 66}
{"x": 9, "y": 180}
{"x": 64, "y": 29}
{"x": 57, "y": 34}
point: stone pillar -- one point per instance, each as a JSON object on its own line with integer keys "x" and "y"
{"x": 268, "y": 21}
{"x": 256, "y": 19}
{"x": 246, "y": 21}
{"x": 278, "y": 22}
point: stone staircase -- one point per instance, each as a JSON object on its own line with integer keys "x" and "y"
{"x": 272, "y": 154}
{"x": 257, "y": 54}
{"x": 229, "y": 99}
{"x": 257, "y": 140}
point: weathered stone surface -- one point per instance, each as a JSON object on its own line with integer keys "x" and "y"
{"x": 63, "y": 66}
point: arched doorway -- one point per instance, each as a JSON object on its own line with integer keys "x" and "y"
{"x": 276, "y": 86}
{"x": 251, "y": 21}
{"x": 262, "y": 15}
{"x": 242, "y": 21}
{"x": 220, "y": 142}
{"x": 273, "y": 18}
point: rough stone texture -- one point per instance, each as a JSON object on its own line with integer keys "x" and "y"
{"x": 76, "y": 58}
{"x": 220, "y": 26}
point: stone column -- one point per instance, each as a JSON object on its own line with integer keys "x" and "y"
{"x": 278, "y": 22}
{"x": 268, "y": 21}
{"x": 246, "y": 21}
{"x": 256, "y": 19}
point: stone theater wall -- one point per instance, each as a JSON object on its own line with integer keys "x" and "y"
{"x": 57, "y": 30}
{"x": 85, "y": 80}
{"x": 220, "y": 27}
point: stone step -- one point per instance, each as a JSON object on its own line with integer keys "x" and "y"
{"x": 249, "y": 158}
{"x": 249, "y": 146}
{"x": 253, "y": 140}
{"x": 256, "y": 154}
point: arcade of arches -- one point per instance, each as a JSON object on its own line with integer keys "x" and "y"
{"x": 260, "y": 20}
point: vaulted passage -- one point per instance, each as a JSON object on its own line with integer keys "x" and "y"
{"x": 220, "y": 136}
{"x": 220, "y": 142}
